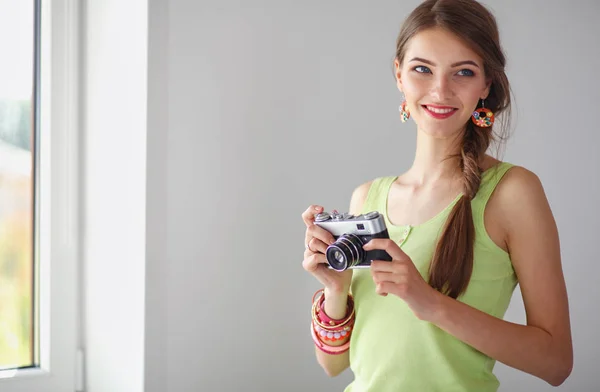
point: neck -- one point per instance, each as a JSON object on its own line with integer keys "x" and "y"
{"x": 431, "y": 163}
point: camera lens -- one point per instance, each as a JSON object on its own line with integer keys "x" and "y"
{"x": 339, "y": 256}
{"x": 346, "y": 252}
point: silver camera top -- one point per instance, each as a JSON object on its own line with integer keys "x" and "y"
{"x": 337, "y": 223}
{"x": 337, "y": 216}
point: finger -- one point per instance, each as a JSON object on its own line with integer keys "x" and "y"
{"x": 381, "y": 277}
{"x": 308, "y": 216}
{"x": 312, "y": 261}
{"x": 388, "y": 245}
{"x": 384, "y": 288}
{"x": 324, "y": 275}
{"x": 319, "y": 233}
{"x": 316, "y": 245}
{"x": 395, "y": 266}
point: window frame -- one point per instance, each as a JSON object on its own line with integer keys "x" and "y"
{"x": 57, "y": 240}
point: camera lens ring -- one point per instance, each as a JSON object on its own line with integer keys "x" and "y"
{"x": 358, "y": 244}
{"x": 353, "y": 247}
{"x": 339, "y": 246}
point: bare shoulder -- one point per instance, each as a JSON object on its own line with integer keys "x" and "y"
{"x": 520, "y": 187}
{"x": 519, "y": 200}
{"x": 359, "y": 195}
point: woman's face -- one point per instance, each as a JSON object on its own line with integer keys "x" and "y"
{"x": 442, "y": 80}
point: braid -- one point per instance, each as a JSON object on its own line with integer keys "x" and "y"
{"x": 475, "y": 144}
{"x": 452, "y": 263}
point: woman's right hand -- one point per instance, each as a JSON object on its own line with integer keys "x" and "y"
{"x": 316, "y": 242}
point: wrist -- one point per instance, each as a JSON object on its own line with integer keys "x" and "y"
{"x": 335, "y": 305}
{"x": 337, "y": 289}
{"x": 439, "y": 308}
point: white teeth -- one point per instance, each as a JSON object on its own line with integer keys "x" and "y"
{"x": 440, "y": 111}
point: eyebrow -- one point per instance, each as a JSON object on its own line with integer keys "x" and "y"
{"x": 471, "y": 62}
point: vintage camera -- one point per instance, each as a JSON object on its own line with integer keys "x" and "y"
{"x": 351, "y": 233}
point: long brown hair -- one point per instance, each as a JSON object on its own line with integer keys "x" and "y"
{"x": 452, "y": 263}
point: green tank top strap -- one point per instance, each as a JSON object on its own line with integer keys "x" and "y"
{"x": 377, "y": 195}
{"x": 489, "y": 180}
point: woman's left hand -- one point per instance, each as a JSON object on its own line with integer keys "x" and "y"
{"x": 401, "y": 278}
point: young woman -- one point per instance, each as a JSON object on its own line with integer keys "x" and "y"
{"x": 464, "y": 229}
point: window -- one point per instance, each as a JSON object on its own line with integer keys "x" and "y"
{"x": 17, "y": 152}
{"x": 38, "y": 195}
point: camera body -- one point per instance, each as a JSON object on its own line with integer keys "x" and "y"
{"x": 351, "y": 232}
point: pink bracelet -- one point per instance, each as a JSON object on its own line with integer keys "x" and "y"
{"x": 325, "y": 322}
{"x": 325, "y": 319}
{"x": 331, "y": 350}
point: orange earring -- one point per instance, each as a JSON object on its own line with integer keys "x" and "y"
{"x": 404, "y": 113}
{"x": 483, "y": 117}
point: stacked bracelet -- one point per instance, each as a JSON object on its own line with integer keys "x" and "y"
{"x": 326, "y": 329}
{"x": 327, "y": 349}
{"x": 331, "y": 335}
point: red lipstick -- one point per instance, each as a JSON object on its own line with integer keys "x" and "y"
{"x": 441, "y": 112}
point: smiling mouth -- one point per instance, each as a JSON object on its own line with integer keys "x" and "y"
{"x": 439, "y": 112}
{"x": 439, "y": 109}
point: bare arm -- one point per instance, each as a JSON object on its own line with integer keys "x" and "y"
{"x": 335, "y": 302}
{"x": 543, "y": 347}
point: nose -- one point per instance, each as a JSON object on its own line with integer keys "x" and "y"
{"x": 442, "y": 88}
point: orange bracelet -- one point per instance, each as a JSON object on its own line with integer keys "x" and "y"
{"x": 331, "y": 350}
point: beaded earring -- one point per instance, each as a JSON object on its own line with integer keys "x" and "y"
{"x": 404, "y": 113}
{"x": 483, "y": 117}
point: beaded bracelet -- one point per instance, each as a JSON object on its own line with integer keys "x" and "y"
{"x": 327, "y": 349}
{"x": 330, "y": 335}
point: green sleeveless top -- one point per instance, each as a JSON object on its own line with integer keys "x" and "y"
{"x": 391, "y": 349}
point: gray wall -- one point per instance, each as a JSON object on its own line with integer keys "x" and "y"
{"x": 258, "y": 109}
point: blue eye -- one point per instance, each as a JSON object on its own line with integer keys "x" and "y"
{"x": 422, "y": 69}
{"x": 466, "y": 72}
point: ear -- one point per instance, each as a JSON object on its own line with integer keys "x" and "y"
{"x": 488, "y": 86}
{"x": 398, "y": 75}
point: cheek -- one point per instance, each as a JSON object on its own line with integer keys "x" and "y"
{"x": 470, "y": 91}
{"x": 415, "y": 86}
{"x": 470, "y": 97}
{"x": 414, "y": 91}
